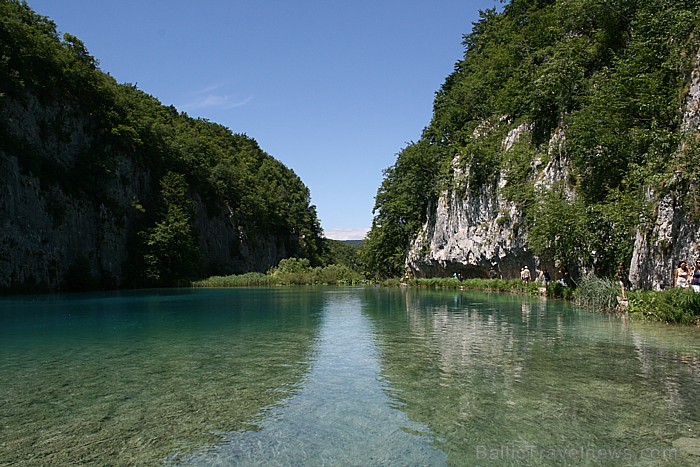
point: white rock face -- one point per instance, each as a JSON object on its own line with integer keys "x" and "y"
{"x": 470, "y": 232}
{"x": 674, "y": 231}
{"x": 464, "y": 235}
{"x": 673, "y": 237}
{"x": 691, "y": 103}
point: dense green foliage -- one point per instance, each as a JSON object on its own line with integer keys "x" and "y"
{"x": 608, "y": 75}
{"x": 401, "y": 206}
{"x": 190, "y": 162}
{"x": 345, "y": 253}
{"x": 298, "y": 272}
{"x": 681, "y": 306}
{"x": 172, "y": 254}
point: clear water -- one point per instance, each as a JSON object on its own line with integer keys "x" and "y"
{"x": 340, "y": 376}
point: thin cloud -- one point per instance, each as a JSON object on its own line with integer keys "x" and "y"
{"x": 208, "y": 89}
{"x": 347, "y": 234}
{"x": 208, "y": 98}
{"x": 216, "y": 101}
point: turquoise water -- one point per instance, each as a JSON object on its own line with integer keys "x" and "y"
{"x": 340, "y": 376}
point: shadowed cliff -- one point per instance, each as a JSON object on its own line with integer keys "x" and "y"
{"x": 103, "y": 186}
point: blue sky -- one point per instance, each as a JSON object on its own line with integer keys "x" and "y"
{"x": 333, "y": 89}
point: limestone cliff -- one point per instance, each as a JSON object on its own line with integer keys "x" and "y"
{"x": 470, "y": 231}
{"x": 59, "y": 225}
{"x": 568, "y": 138}
{"x": 673, "y": 233}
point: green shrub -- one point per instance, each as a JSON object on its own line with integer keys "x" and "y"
{"x": 680, "y": 306}
{"x": 556, "y": 289}
{"x": 291, "y": 266}
{"x": 292, "y": 271}
{"x": 597, "y": 293}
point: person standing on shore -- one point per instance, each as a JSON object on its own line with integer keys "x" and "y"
{"x": 624, "y": 280}
{"x": 525, "y": 274}
{"x": 695, "y": 282}
{"x": 681, "y": 275}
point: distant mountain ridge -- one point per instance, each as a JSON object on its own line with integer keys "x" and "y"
{"x": 355, "y": 243}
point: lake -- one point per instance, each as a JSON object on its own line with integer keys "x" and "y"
{"x": 340, "y": 376}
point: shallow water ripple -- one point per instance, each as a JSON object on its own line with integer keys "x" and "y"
{"x": 340, "y": 376}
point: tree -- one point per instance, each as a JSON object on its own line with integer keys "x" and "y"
{"x": 558, "y": 228}
{"x": 172, "y": 252}
{"x": 401, "y": 205}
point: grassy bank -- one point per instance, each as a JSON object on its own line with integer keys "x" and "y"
{"x": 239, "y": 280}
{"x": 677, "y": 306}
{"x": 290, "y": 271}
{"x": 680, "y": 306}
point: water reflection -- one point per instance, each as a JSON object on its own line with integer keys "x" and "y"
{"x": 499, "y": 378}
{"x": 129, "y": 378}
{"x": 341, "y": 414}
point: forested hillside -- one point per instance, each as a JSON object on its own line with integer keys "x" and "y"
{"x": 554, "y": 138}
{"x": 102, "y": 185}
